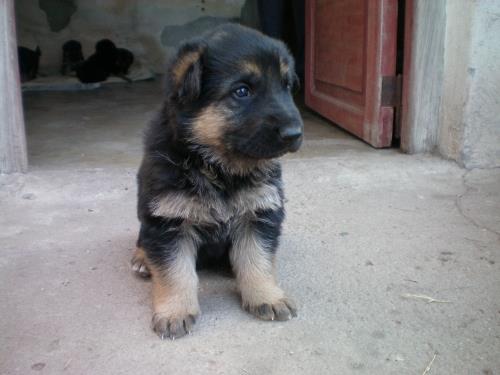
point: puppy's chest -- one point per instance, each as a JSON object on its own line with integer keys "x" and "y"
{"x": 217, "y": 206}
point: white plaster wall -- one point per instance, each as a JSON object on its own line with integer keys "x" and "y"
{"x": 456, "y": 81}
{"x": 470, "y": 104}
{"x": 482, "y": 114}
{"x": 133, "y": 24}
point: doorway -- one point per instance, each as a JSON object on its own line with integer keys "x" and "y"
{"x": 354, "y": 66}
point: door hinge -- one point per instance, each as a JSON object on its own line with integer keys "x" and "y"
{"x": 392, "y": 96}
{"x": 391, "y": 91}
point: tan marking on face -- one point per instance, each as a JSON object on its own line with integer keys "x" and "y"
{"x": 175, "y": 288}
{"x": 181, "y": 66}
{"x": 251, "y": 67}
{"x": 209, "y": 127}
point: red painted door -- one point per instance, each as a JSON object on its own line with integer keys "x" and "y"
{"x": 350, "y": 53}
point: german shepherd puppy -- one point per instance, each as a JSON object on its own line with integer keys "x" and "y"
{"x": 210, "y": 186}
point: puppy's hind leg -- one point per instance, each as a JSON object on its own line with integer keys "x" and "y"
{"x": 252, "y": 258}
{"x": 139, "y": 264}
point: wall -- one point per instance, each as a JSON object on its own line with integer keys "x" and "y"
{"x": 454, "y": 89}
{"x": 456, "y": 80}
{"x": 150, "y": 29}
{"x": 470, "y": 129}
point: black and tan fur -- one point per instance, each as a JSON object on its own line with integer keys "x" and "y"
{"x": 210, "y": 188}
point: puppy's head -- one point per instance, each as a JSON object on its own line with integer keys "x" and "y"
{"x": 105, "y": 47}
{"x": 72, "y": 51}
{"x": 232, "y": 94}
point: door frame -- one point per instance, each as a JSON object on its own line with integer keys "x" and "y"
{"x": 425, "y": 32}
{"x": 13, "y": 149}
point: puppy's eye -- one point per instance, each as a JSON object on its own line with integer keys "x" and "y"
{"x": 242, "y": 92}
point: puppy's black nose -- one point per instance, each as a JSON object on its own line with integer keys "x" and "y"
{"x": 290, "y": 133}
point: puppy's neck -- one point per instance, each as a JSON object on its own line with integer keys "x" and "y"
{"x": 230, "y": 165}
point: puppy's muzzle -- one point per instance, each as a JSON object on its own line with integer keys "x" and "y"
{"x": 291, "y": 135}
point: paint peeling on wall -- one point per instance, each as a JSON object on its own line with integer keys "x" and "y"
{"x": 58, "y": 12}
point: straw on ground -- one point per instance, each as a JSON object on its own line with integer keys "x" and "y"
{"x": 423, "y": 297}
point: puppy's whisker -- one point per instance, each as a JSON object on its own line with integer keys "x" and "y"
{"x": 164, "y": 157}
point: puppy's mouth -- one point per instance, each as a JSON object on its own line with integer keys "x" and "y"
{"x": 295, "y": 145}
{"x": 255, "y": 149}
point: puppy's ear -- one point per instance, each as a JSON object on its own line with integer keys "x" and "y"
{"x": 185, "y": 73}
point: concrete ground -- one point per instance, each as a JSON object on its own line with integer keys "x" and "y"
{"x": 393, "y": 259}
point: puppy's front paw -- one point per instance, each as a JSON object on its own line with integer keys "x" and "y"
{"x": 173, "y": 327}
{"x": 280, "y": 310}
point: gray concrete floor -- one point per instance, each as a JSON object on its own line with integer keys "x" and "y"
{"x": 369, "y": 234}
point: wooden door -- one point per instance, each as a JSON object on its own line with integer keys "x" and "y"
{"x": 351, "y": 65}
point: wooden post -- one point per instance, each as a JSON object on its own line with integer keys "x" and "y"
{"x": 13, "y": 151}
{"x": 422, "y": 75}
